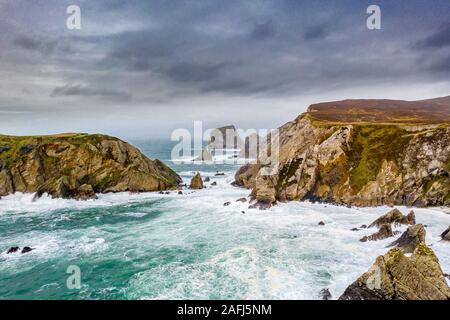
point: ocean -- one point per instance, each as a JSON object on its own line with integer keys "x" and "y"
{"x": 190, "y": 246}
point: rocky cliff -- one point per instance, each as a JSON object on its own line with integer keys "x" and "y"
{"x": 367, "y": 154}
{"x": 78, "y": 166}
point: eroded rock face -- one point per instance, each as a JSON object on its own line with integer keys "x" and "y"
{"x": 196, "y": 182}
{"x": 384, "y": 232}
{"x": 410, "y": 238}
{"x": 395, "y": 276}
{"x": 78, "y": 166}
{"x": 357, "y": 163}
{"x": 394, "y": 217}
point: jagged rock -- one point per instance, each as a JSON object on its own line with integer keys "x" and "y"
{"x": 207, "y": 179}
{"x": 394, "y": 217}
{"x": 85, "y": 192}
{"x": 330, "y": 154}
{"x": 26, "y": 250}
{"x": 446, "y": 234}
{"x": 196, "y": 182}
{"x": 245, "y": 176}
{"x": 214, "y": 183}
{"x": 410, "y": 238}
{"x": 205, "y": 156}
{"x": 325, "y": 294}
{"x": 243, "y": 200}
{"x": 384, "y": 232}
{"x": 321, "y": 223}
{"x": 411, "y": 218}
{"x": 12, "y": 250}
{"x": 226, "y": 204}
{"x": 262, "y": 205}
{"x": 395, "y": 276}
{"x": 77, "y": 166}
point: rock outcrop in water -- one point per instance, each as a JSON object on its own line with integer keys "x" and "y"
{"x": 384, "y": 232}
{"x": 363, "y": 153}
{"x": 446, "y": 234}
{"x": 410, "y": 238}
{"x": 394, "y": 217}
{"x": 196, "y": 182}
{"x": 395, "y": 276}
{"x": 78, "y": 166}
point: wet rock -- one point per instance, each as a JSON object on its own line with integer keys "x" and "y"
{"x": 384, "y": 232}
{"x": 26, "y": 250}
{"x": 363, "y": 226}
{"x": 243, "y": 212}
{"x": 207, "y": 179}
{"x": 395, "y": 276}
{"x": 446, "y": 234}
{"x": 85, "y": 192}
{"x": 180, "y": 192}
{"x": 261, "y": 205}
{"x": 325, "y": 294}
{"x": 27, "y": 148}
{"x": 243, "y": 200}
{"x": 410, "y": 238}
{"x": 205, "y": 156}
{"x": 161, "y": 192}
{"x": 219, "y": 174}
{"x": 321, "y": 223}
{"x": 12, "y": 250}
{"x": 214, "y": 183}
{"x": 226, "y": 204}
{"x": 354, "y": 229}
{"x": 394, "y": 217}
{"x": 196, "y": 182}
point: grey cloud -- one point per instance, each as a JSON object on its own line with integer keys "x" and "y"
{"x": 83, "y": 90}
{"x": 440, "y": 39}
{"x": 263, "y": 31}
{"x": 316, "y": 32}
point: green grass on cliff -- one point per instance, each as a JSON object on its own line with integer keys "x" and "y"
{"x": 370, "y": 146}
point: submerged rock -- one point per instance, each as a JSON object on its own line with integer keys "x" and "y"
{"x": 321, "y": 223}
{"x": 410, "y": 238}
{"x": 243, "y": 200}
{"x": 12, "y": 250}
{"x": 446, "y": 234}
{"x": 261, "y": 205}
{"x": 384, "y": 232}
{"x": 395, "y": 276}
{"x": 214, "y": 183}
{"x": 325, "y": 294}
{"x": 196, "y": 182}
{"x": 394, "y": 217}
{"x": 226, "y": 204}
{"x": 77, "y": 166}
{"x": 26, "y": 250}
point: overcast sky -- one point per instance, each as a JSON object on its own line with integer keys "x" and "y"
{"x": 144, "y": 68}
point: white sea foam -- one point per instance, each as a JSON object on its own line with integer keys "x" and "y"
{"x": 192, "y": 246}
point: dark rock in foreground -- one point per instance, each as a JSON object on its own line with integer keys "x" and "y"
{"x": 410, "y": 238}
{"x": 395, "y": 276}
{"x": 394, "y": 217}
{"x": 446, "y": 234}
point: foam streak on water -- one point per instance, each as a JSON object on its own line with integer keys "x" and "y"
{"x": 153, "y": 246}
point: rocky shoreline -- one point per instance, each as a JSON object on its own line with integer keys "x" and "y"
{"x": 348, "y": 160}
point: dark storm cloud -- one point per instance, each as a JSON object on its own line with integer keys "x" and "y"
{"x": 83, "y": 90}
{"x": 145, "y": 54}
{"x": 263, "y": 31}
{"x": 439, "y": 39}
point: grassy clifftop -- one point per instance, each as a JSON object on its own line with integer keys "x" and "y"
{"x": 78, "y": 166}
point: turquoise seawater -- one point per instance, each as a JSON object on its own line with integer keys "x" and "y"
{"x": 191, "y": 246}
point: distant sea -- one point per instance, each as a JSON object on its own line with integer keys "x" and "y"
{"x": 190, "y": 246}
